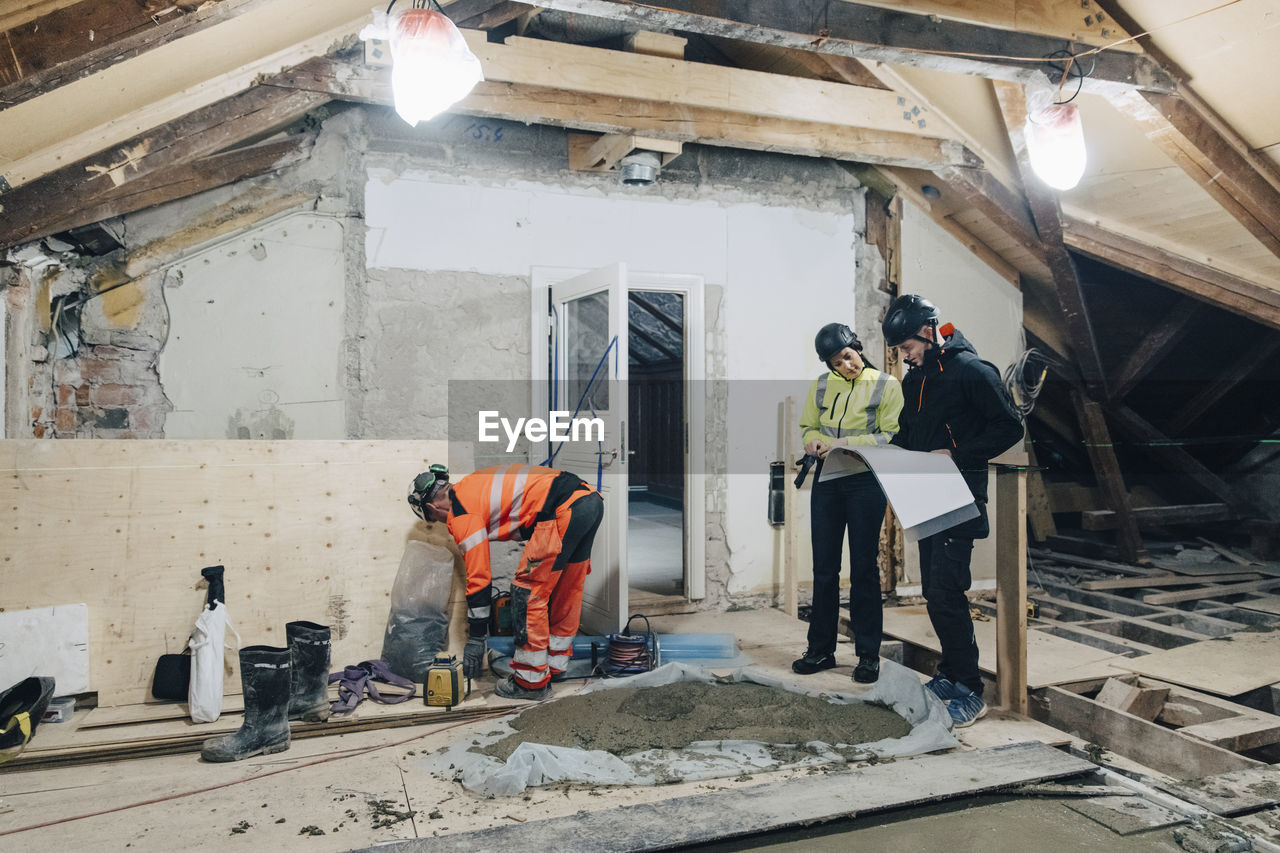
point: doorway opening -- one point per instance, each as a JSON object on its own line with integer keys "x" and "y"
{"x": 656, "y": 511}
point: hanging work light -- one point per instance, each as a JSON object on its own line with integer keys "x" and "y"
{"x": 431, "y": 66}
{"x": 1055, "y": 138}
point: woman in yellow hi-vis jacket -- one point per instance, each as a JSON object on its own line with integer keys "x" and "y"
{"x": 851, "y": 404}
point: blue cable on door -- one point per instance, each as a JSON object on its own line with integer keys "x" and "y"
{"x": 585, "y": 391}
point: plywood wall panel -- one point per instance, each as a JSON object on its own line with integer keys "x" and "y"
{"x": 306, "y": 529}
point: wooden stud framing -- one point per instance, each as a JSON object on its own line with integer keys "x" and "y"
{"x": 1153, "y": 346}
{"x": 1011, "y": 588}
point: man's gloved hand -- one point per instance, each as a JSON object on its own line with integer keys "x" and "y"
{"x": 473, "y": 657}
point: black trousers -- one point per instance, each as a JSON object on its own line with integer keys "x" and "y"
{"x": 855, "y": 503}
{"x": 585, "y": 515}
{"x": 945, "y": 576}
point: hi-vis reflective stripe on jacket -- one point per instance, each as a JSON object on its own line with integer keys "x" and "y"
{"x": 495, "y": 504}
{"x": 865, "y": 410}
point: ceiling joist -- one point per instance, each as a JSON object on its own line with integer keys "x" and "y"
{"x": 870, "y": 33}
{"x": 598, "y": 113}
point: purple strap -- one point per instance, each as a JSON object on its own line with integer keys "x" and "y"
{"x": 355, "y": 681}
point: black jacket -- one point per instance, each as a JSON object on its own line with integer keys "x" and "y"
{"x": 955, "y": 401}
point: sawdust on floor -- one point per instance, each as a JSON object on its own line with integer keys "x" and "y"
{"x": 624, "y": 720}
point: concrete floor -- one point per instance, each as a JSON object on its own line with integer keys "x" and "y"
{"x": 655, "y": 547}
{"x": 345, "y": 785}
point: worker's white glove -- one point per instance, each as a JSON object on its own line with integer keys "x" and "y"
{"x": 473, "y": 657}
{"x": 842, "y": 441}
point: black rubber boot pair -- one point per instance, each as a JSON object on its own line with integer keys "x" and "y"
{"x": 279, "y": 685}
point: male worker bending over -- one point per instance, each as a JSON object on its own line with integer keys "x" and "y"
{"x": 556, "y": 515}
{"x": 954, "y": 405}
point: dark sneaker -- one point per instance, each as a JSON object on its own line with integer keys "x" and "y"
{"x": 967, "y": 708}
{"x": 813, "y": 662}
{"x": 867, "y": 670}
{"x": 507, "y": 688}
{"x": 942, "y": 687}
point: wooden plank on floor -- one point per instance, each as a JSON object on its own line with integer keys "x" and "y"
{"x": 1050, "y": 659}
{"x": 1210, "y": 592}
{"x": 1225, "y": 666}
{"x": 1151, "y": 744}
{"x": 1238, "y": 734}
{"x": 1166, "y": 580}
{"x": 724, "y": 815}
{"x": 1126, "y": 815}
{"x": 1231, "y": 793}
{"x": 1262, "y": 604}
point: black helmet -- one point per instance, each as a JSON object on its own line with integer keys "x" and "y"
{"x": 832, "y": 338}
{"x": 905, "y": 316}
{"x": 426, "y": 486}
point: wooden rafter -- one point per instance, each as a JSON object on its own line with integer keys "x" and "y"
{"x": 867, "y": 32}
{"x": 1152, "y": 347}
{"x": 1203, "y": 282}
{"x": 1102, "y": 457}
{"x": 1172, "y": 455}
{"x": 1047, "y": 217}
{"x": 75, "y": 42}
{"x": 1236, "y": 179}
{"x": 485, "y": 14}
{"x": 1256, "y": 355}
{"x": 48, "y": 204}
{"x": 344, "y": 80}
{"x": 186, "y": 179}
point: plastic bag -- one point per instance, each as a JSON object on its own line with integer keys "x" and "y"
{"x": 418, "y": 626}
{"x": 208, "y": 639}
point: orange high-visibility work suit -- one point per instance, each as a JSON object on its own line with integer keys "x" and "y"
{"x": 535, "y": 505}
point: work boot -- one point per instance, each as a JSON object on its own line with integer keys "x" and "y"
{"x": 264, "y": 675}
{"x": 309, "y": 671}
{"x": 867, "y": 671}
{"x": 813, "y": 662}
{"x": 508, "y": 688}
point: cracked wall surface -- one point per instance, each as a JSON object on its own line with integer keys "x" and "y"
{"x": 340, "y": 297}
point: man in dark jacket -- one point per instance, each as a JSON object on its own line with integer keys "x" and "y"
{"x": 954, "y": 404}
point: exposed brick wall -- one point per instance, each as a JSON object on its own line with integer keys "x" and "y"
{"x": 102, "y": 391}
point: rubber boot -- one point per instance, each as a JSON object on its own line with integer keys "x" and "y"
{"x": 264, "y": 674}
{"x": 309, "y": 680}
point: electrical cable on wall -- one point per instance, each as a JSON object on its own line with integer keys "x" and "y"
{"x": 1023, "y": 391}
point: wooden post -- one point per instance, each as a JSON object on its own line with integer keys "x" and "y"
{"x": 789, "y": 429}
{"x": 1011, "y": 588}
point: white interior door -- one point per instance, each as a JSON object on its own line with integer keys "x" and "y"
{"x": 589, "y": 322}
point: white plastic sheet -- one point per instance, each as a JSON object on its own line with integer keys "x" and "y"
{"x": 539, "y": 764}
{"x": 208, "y": 640}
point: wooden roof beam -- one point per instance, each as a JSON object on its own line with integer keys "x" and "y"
{"x": 1222, "y": 384}
{"x": 867, "y": 32}
{"x": 1048, "y": 223}
{"x": 661, "y": 119}
{"x": 74, "y": 42}
{"x": 1224, "y": 290}
{"x": 1153, "y": 346}
{"x": 47, "y": 205}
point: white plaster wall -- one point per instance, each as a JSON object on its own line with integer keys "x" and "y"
{"x": 772, "y": 262}
{"x": 981, "y": 304}
{"x": 256, "y": 333}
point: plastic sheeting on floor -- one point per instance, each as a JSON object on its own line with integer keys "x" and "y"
{"x": 540, "y": 764}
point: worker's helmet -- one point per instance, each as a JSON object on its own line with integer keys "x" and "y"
{"x": 426, "y": 486}
{"x": 905, "y": 316}
{"x": 832, "y": 338}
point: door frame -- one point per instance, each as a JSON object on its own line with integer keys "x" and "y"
{"x": 691, "y": 287}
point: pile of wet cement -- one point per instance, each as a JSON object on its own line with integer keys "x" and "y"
{"x": 624, "y": 720}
